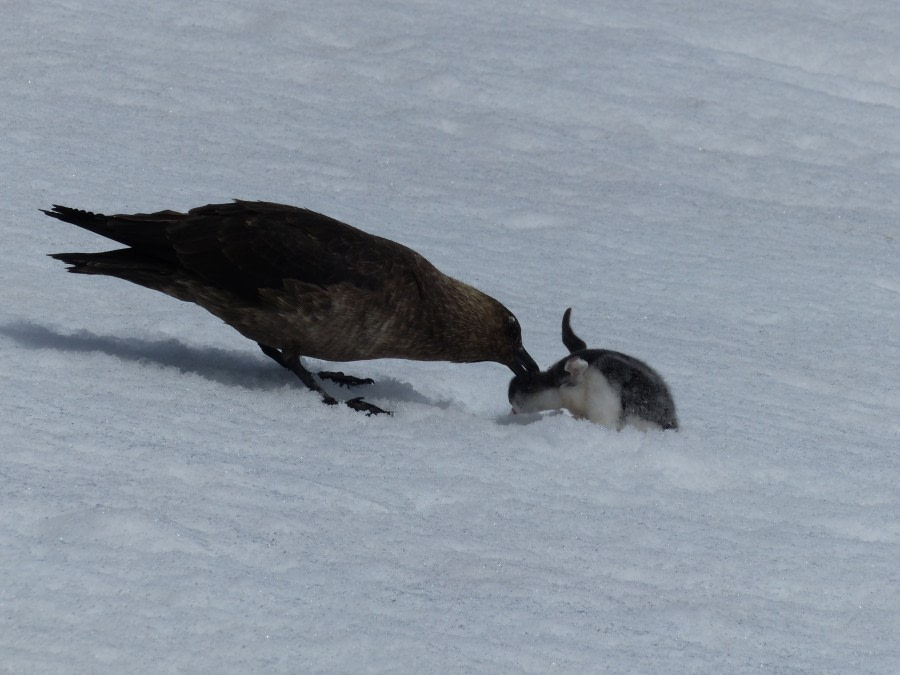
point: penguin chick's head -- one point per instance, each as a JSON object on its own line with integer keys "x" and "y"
{"x": 544, "y": 390}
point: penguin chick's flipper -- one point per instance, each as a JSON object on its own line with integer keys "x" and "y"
{"x": 572, "y": 342}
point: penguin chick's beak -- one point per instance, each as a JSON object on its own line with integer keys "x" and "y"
{"x": 524, "y": 364}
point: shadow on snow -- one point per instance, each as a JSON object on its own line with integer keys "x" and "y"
{"x": 233, "y": 368}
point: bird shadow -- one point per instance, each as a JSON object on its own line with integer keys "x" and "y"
{"x": 229, "y": 367}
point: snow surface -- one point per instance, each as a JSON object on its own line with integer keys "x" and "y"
{"x": 713, "y": 187}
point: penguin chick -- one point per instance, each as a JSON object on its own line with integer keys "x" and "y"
{"x": 603, "y": 386}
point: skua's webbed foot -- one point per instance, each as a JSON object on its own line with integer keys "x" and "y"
{"x": 364, "y": 406}
{"x": 293, "y": 364}
{"x": 344, "y": 380}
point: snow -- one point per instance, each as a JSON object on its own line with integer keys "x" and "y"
{"x": 713, "y": 189}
